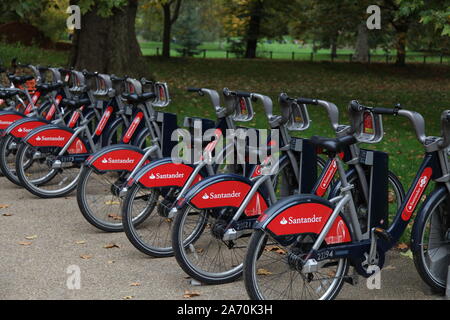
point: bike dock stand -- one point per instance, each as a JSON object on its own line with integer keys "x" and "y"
{"x": 447, "y": 293}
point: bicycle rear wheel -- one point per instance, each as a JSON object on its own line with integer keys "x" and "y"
{"x": 273, "y": 271}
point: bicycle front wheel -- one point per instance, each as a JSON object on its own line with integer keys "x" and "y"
{"x": 431, "y": 241}
{"x": 39, "y": 177}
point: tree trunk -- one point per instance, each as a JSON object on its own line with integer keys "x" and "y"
{"x": 109, "y": 45}
{"x": 362, "y": 44}
{"x": 400, "y": 45}
{"x": 167, "y": 31}
{"x": 253, "y": 30}
{"x": 334, "y": 46}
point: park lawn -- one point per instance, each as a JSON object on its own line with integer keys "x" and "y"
{"x": 284, "y": 51}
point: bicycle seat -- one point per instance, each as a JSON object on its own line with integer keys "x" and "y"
{"x": 48, "y": 87}
{"x": 8, "y": 93}
{"x": 20, "y": 79}
{"x": 75, "y": 104}
{"x": 138, "y": 98}
{"x": 334, "y": 144}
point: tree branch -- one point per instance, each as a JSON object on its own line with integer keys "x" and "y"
{"x": 176, "y": 13}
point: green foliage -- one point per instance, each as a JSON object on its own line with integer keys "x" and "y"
{"x": 149, "y": 22}
{"x": 187, "y": 30}
{"x": 104, "y": 7}
{"x": 33, "y": 55}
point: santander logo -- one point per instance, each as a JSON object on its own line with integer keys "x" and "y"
{"x": 416, "y": 194}
{"x": 292, "y": 220}
{"x": 43, "y": 138}
{"x": 25, "y": 130}
{"x": 177, "y": 175}
{"x": 213, "y": 195}
{"x": 117, "y": 161}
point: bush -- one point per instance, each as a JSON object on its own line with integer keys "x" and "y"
{"x": 31, "y": 54}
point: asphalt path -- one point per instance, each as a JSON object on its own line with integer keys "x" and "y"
{"x": 45, "y": 243}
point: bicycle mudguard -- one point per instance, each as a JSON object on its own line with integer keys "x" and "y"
{"x": 8, "y": 117}
{"x": 303, "y": 214}
{"x": 225, "y": 190}
{"x": 22, "y": 127}
{"x": 119, "y": 157}
{"x": 165, "y": 173}
{"x": 55, "y": 136}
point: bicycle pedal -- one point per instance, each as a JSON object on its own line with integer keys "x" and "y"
{"x": 383, "y": 234}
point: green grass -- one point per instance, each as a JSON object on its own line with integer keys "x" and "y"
{"x": 423, "y": 88}
{"x": 284, "y": 51}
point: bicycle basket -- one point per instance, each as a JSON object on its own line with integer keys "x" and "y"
{"x": 162, "y": 95}
{"x": 133, "y": 86}
{"x": 103, "y": 87}
{"x": 368, "y": 127}
{"x": 295, "y": 115}
{"x": 240, "y": 108}
{"x": 77, "y": 82}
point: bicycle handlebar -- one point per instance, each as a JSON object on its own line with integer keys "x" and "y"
{"x": 213, "y": 95}
{"x": 307, "y": 101}
{"x": 357, "y": 107}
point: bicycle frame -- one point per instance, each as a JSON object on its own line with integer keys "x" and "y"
{"x": 433, "y": 167}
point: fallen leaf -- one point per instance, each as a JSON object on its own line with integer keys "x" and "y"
{"x": 263, "y": 272}
{"x": 111, "y": 261}
{"x": 111, "y": 245}
{"x": 127, "y": 298}
{"x": 407, "y": 254}
{"x": 85, "y": 256}
{"x": 114, "y": 216}
{"x": 111, "y": 203}
{"x": 7, "y": 214}
{"x": 276, "y": 249}
{"x": 389, "y": 267}
{"x": 25, "y": 243}
{"x": 190, "y": 294}
{"x": 31, "y": 237}
{"x": 402, "y": 246}
{"x": 391, "y": 197}
{"x": 135, "y": 284}
{"x": 80, "y": 242}
{"x": 4, "y": 206}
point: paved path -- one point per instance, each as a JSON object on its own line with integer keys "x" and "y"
{"x": 59, "y": 236}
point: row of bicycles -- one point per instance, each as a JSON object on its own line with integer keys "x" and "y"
{"x": 288, "y": 213}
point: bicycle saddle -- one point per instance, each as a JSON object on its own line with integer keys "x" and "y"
{"x": 139, "y": 98}
{"x": 48, "y": 87}
{"x": 75, "y": 104}
{"x": 8, "y": 93}
{"x": 333, "y": 144}
{"x": 20, "y": 79}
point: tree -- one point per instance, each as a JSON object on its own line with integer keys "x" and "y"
{"x": 187, "y": 28}
{"x": 251, "y": 20}
{"x": 107, "y": 40}
{"x": 329, "y": 23}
